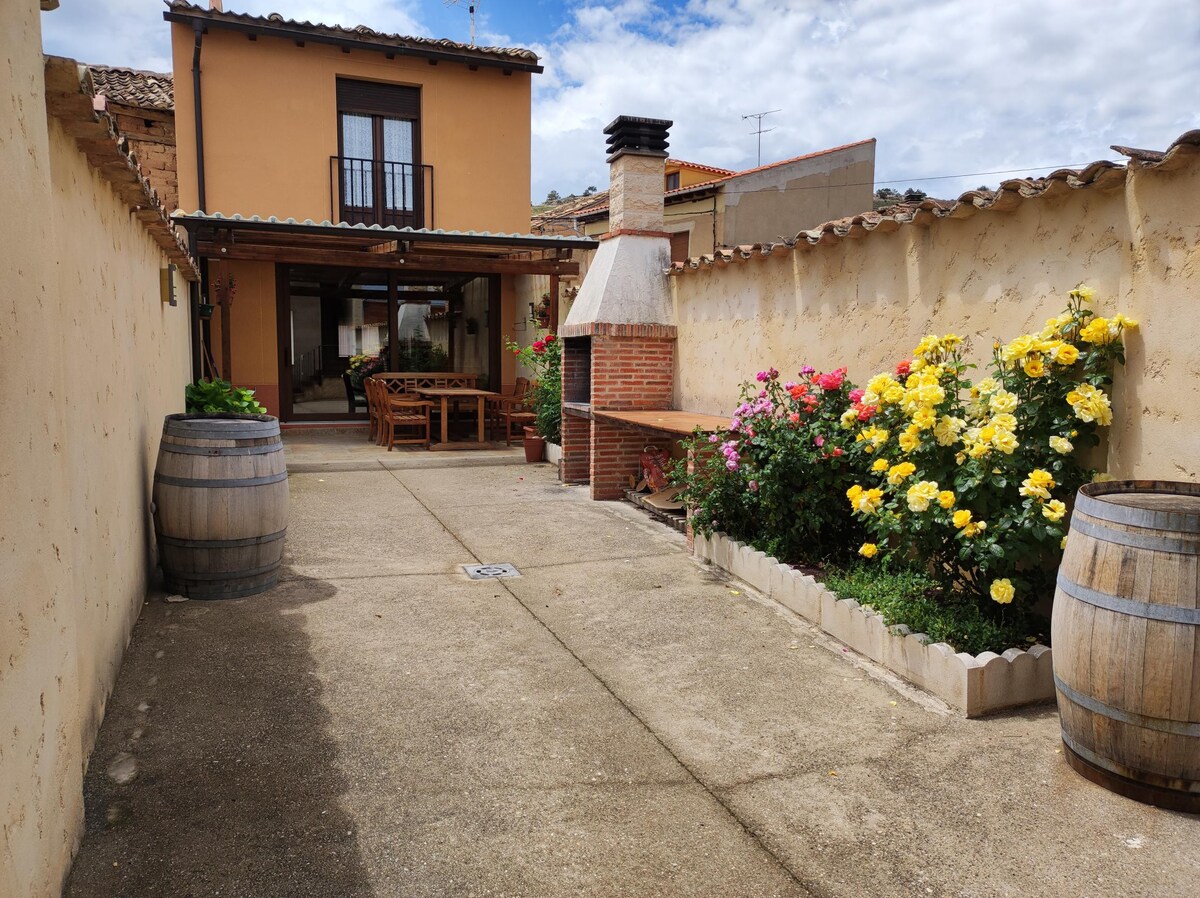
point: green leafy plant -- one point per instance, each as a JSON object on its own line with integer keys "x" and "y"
{"x": 909, "y": 596}
{"x": 975, "y": 479}
{"x": 778, "y": 478}
{"x": 544, "y": 358}
{"x": 218, "y": 396}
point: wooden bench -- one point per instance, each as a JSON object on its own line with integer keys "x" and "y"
{"x": 406, "y": 383}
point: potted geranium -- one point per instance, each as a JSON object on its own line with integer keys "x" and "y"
{"x": 544, "y": 358}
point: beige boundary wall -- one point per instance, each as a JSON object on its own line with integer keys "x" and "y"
{"x": 90, "y": 361}
{"x": 864, "y": 297}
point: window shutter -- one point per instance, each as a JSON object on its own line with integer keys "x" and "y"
{"x": 373, "y": 98}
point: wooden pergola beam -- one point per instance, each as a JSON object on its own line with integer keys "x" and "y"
{"x": 305, "y": 255}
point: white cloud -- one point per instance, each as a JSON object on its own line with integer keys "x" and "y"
{"x": 947, "y": 86}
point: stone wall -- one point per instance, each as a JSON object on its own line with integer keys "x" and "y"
{"x": 863, "y": 298}
{"x": 90, "y": 360}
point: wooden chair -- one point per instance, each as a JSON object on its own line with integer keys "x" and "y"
{"x": 407, "y": 413}
{"x": 515, "y": 409}
{"x": 374, "y": 409}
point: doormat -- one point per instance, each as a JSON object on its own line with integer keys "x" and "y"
{"x": 490, "y": 571}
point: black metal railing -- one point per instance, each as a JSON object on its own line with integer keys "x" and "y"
{"x": 372, "y": 191}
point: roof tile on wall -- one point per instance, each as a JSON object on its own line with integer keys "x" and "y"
{"x": 132, "y": 87}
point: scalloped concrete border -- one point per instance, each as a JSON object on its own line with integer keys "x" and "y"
{"x": 554, "y": 453}
{"x": 974, "y": 684}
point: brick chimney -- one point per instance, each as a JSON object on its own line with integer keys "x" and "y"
{"x": 619, "y": 338}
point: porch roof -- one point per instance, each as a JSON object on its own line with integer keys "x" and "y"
{"x": 217, "y": 236}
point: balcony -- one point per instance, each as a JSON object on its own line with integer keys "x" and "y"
{"x": 373, "y": 191}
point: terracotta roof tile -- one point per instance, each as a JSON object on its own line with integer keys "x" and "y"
{"x": 700, "y": 167}
{"x": 132, "y": 87}
{"x": 1011, "y": 193}
{"x": 360, "y": 32}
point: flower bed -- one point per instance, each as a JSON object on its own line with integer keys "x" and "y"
{"x": 969, "y": 483}
{"x": 974, "y": 684}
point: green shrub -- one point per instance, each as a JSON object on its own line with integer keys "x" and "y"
{"x": 218, "y": 396}
{"x": 904, "y": 595}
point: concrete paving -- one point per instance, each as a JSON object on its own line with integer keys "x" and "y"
{"x": 617, "y": 721}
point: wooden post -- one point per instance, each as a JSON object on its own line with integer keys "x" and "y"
{"x": 393, "y": 321}
{"x": 554, "y": 303}
{"x": 225, "y": 299}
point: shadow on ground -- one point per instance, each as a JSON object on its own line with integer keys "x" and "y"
{"x": 237, "y": 784}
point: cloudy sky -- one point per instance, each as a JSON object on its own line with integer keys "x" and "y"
{"x": 955, "y": 91}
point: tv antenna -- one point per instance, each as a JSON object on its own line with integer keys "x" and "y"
{"x": 471, "y": 6}
{"x": 758, "y": 116}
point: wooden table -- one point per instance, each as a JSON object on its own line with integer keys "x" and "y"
{"x": 445, "y": 394}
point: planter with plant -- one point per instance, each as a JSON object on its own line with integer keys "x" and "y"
{"x": 210, "y": 397}
{"x": 544, "y": 358}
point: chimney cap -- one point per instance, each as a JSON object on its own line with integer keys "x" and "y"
{"x": 631, "y": 134}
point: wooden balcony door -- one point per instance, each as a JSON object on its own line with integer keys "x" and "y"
{"x": 379, "y": 154}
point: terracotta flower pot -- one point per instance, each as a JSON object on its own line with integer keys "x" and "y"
{"x": 535, "y": 445}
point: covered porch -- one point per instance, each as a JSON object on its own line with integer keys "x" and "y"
{"x": 302, "y": 311}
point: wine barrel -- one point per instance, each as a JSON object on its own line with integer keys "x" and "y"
{"x": 1126, "y": 635}
{"x": 220, "y": 504}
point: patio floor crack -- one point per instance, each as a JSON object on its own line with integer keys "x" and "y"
{"x": 713, "y": 793}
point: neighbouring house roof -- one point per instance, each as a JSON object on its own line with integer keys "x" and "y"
{"x": 699, "y": 167}
{"x": 569, "y": 210}
{"x": 360, "y": 37}
{"x": 133, "y": 87}
{"x": 70, "y": 99}
{"x": 1011, "y": 193}
{"x": 683, "y": 194}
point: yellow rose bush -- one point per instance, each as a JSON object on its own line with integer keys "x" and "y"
{"x": 976, "y": 478}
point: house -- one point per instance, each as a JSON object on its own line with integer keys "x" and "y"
{"x": 707, "y": 208}
{"x": 351, "y": 192}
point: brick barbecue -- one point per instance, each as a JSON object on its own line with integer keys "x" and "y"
{"x": 619, "y": 339}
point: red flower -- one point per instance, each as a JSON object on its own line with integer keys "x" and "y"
{"x": 837, "y": 451}
{"x": 866, "y": 412}
{"x": 831, "y": 381}
{"x": 903, "y": 369}
{"x": 798, "y": 390}
{"x": 549, "y": 338}
{"x": 794, "y": 417}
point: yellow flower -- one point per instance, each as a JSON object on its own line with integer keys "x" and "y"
{"x": 1006, "y": 442}
{"x": 1127, "y": 323}
{"x": 987, "y": 386}
{"x": 974, "y": 528}
{"x": 1054, "y": 510}
{"x": 1033, "y": 366}
{"x": 1004, "y": 421}
{"x": 947, "y": 429}
{"x": 1061, "y": 445}
{"x": 892, "y": 394}
{"x": 1090, "y": 404}
{"x": 900, "y": 472}
{"x": 1018, "y": 348}
{"x": 909, "y": 440}
{"x": 1002, "y": 591}
{"x": 1064, "y": 354}
{"x": 1102, "y": 477}
{"x": 874, "y": 437}
{"x": 1037, "y": 485}
{"x": 868, "y": 550}
{"x": 949, "y": 342}
{"x": 927, "y": 345}
{"x": 1063, "y": 542}
{"x": 849, "y": 418}
{"x": 868, "y": 501}
{"x": 881, "y": 464}
{"x": 921, "y": 494}
{"x": 1098, "y": 331}
{"x": 945, "y": 499}
{"x": 1083, "y": 292}
{"x": 879, "y": 384}
{"x": 961, "y": 518}
{"x": 853, "y": 493}
{"x": 924, "y": 418}
{"x": 1002, "y": 401}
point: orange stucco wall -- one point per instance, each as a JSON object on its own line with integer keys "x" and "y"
{"x": 270, "y": 126}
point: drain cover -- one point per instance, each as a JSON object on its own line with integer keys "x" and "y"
{"x": 490, "y": 571}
